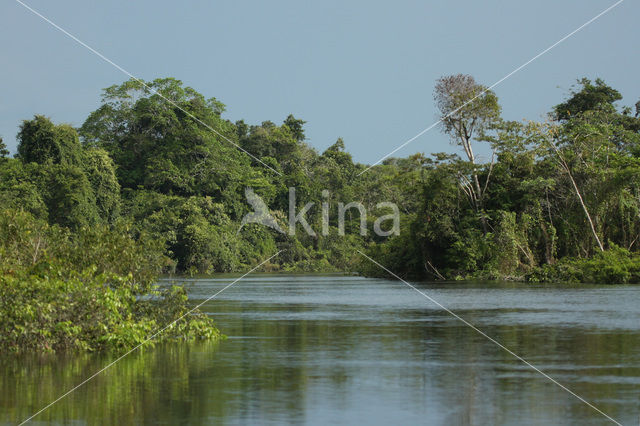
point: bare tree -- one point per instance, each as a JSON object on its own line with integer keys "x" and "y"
{"x": 466, "y": 110}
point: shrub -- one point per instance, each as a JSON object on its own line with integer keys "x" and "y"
{"x": 614, "y": 266}
{"x": 91, "y": 290}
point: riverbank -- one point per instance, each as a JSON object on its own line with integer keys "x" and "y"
{"x": 613, "y": 266}
{"x": 91, "y": 290}
{"x": 95, "y": 288}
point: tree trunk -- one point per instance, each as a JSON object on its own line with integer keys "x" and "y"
{"x": 565, "y": 166}
{"x": 478, "y": 193}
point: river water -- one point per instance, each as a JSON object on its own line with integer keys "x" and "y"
{"x": 348, "y": 350}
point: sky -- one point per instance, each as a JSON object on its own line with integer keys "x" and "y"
{"x": 362, "y": 70}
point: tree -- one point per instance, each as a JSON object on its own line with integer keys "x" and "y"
{"x": 467, "y": 109}
{"x": 335, "y": 168}
{"x": 242, "y": 129}
{"x": 68, "y": 196}
{"x": 19, "y": 189}
{"x": 594, "y": 104}
{"x": 590, "y": 97}
{"x": 594, "y": 144}
{"x": 101, "y": 172}
{"x": 41, "y": 141}
{"x": 269, "y": 140}
{"x": 567, "y": 169}
{"x": 169, "y": 147}
{"x": 4, "y": 152}
{"x": 296, "y": 127}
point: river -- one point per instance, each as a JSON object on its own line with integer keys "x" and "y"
{"x": 349, "y": 350}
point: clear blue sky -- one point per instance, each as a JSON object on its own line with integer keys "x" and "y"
{"x": 363, "y": 70}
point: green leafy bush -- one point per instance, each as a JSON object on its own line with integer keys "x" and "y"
{"x": 91, "y": 290}
{"x": 614, "y": 266}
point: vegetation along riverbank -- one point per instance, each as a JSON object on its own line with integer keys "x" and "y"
{"x": 90, "y": 216}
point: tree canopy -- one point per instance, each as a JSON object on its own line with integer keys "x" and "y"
{"x": 163, "y": 158}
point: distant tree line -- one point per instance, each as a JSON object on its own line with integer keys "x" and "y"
{"x": 554, "y": 195}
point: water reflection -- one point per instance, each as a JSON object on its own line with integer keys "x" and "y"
{"x": 320, "y": 350}
{"x": 154, "y": 380}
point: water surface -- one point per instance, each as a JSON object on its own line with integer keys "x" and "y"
{"x": 348, "y": 350}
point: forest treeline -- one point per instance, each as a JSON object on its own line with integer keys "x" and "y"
{"x": 557, "y": 200}
{"x": 154, "y": 182}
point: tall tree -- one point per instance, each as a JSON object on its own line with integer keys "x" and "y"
{"x": 467, "y": 109}
{"x": 180, "y": 147}
{"x": 41, "y": 141}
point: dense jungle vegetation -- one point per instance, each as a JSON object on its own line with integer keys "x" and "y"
{"x": 154, "y": 182}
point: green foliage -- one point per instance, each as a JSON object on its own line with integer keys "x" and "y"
{"x": 19, "y": 188}
{"x": 40, "y": 141}
{"x": 296, "y": 126}
{"x": 85, "y": 228}
{"x": 465, "y": 106}
{"x": 511, "y": 252}
{"x": 67, "y": 193}
{"x": 614, "y": 266}
{"x": 177, "y": 148}
{"x": 4, "y": 152}
{"x": 590, "y": 97}
{"x": 90, "y": 290}
{"x": 335, "y": 168}
{"x": 538, "y": 196}
{"x": 44, "y": 313}
{"x": 199, "y": 235}
{"x": 268, "y": 140}
{"x": 101, "y": 173}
